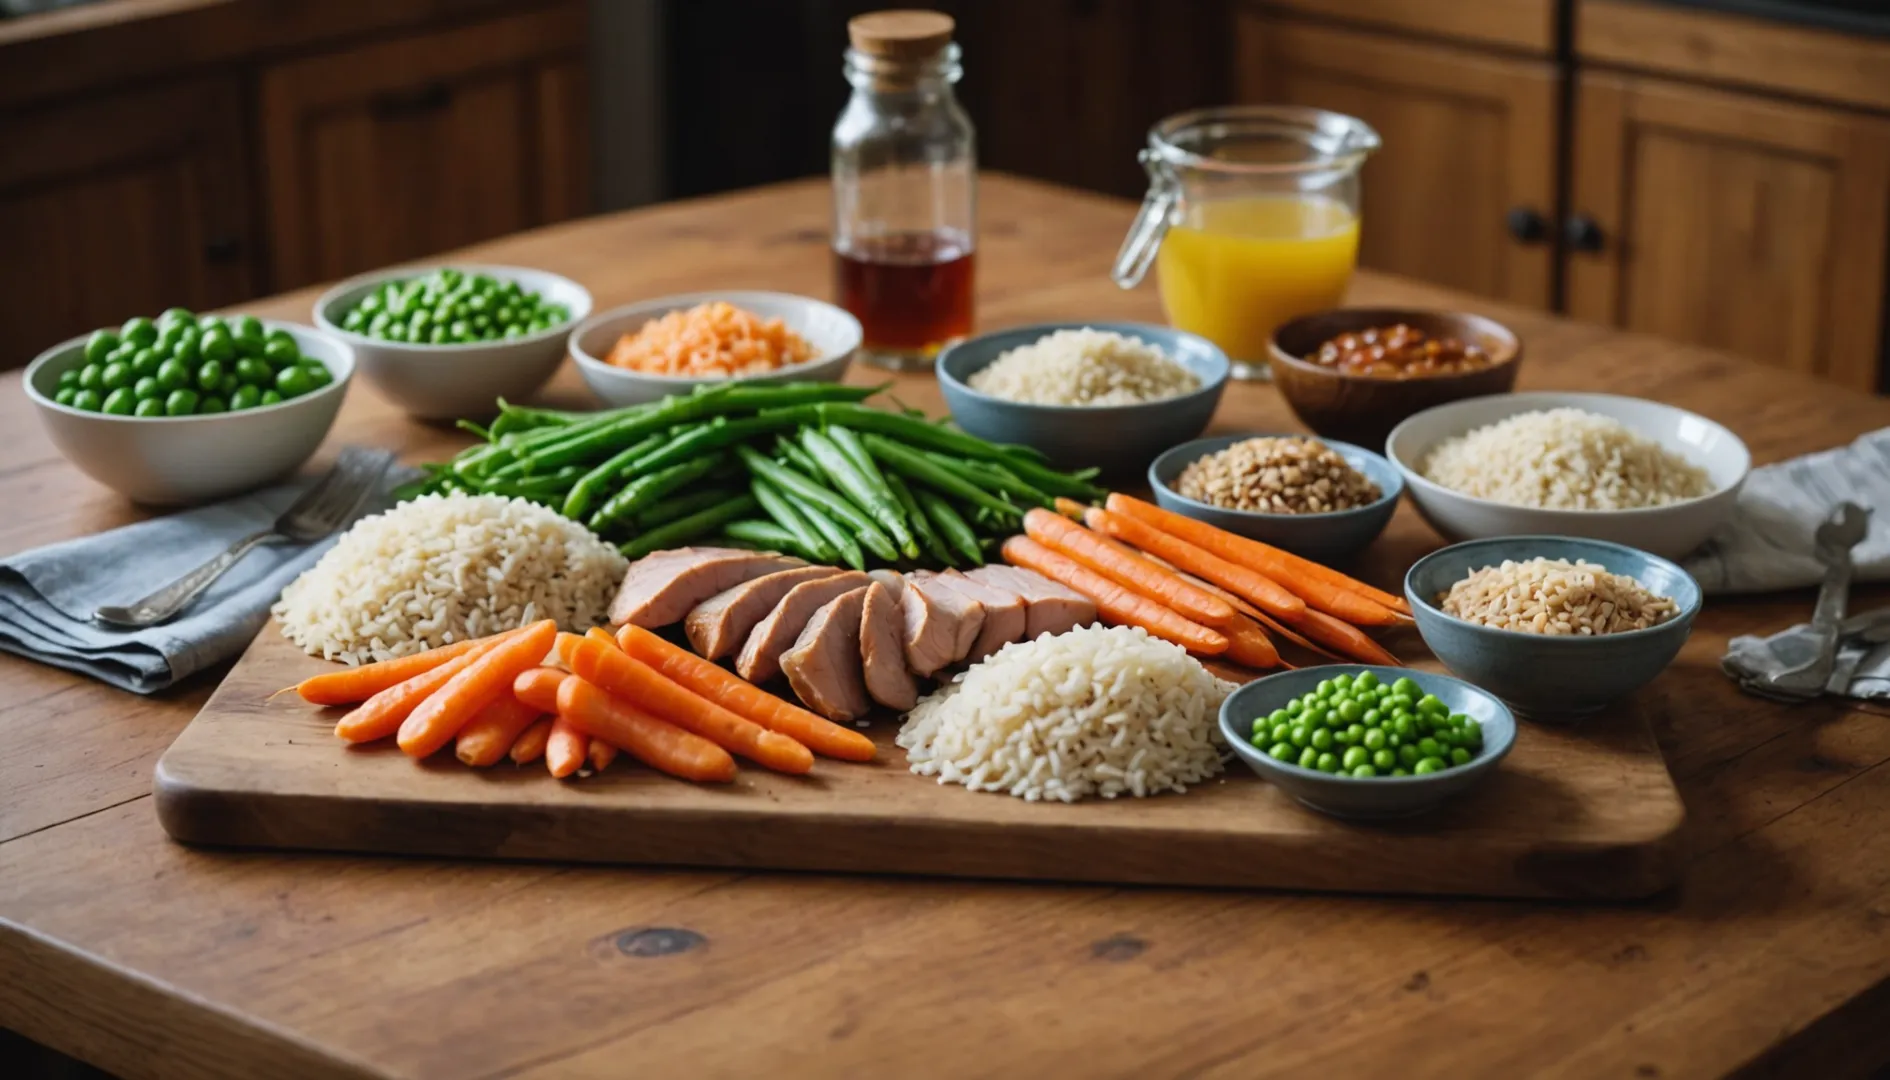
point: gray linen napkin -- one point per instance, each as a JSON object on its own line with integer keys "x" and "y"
{"x": 47, "y": 594}
{"x": 1863, "y": 658}
{"x": 1767, "y": 545}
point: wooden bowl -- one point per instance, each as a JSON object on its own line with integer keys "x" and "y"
{"x": 1360, "y": 409}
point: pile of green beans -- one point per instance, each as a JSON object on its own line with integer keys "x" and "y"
{"x": 801, "y": 468}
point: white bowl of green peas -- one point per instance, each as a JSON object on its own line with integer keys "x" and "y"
{"x": 446, "y": 342}
{"x": 184, "y": 409}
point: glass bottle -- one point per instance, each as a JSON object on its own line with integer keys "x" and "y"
{"x": 904, "y": 189}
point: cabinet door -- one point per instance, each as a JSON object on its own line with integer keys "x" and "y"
{"x": 398, "y": 149}
{"x": 1723, "y": 219}
{"x": 1468, "y": 137}
{"x": 121, "y": 206}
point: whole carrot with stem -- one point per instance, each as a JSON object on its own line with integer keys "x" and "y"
{"x": 353, "y": 685}
{"x": 530, "y": 745}
{"x": 1113, "y": 602}
{"x": 817, "y": 733}
{"x": 489, "y": 734}
{"x": 656, "y": 743}
{"x": 1127, "y": 569}
{"x": 381, "y": 715}
{"x": 566, "y": 748}
{"x": 1256, "y": 588}
{"x": 435, "y": 721}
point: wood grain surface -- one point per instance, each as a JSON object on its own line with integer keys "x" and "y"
{"x": 150, "y": 958}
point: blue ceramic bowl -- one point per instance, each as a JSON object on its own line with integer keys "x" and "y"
{"x": 1326, "y": 538}
{"x": 1542, "y": 677}
{"x": 1118, "y": 439}
{"x": 1376, "y": 796}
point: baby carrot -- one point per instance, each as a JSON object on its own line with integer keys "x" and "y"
{"x": 612, "y": 670}
{"x": 817, "y": 733}
{"x": 659, "y": 745}
{"x": 538, "y": 687}
{"x": 566, "y": 748}
{"x": 1249, "y": 585}
{"x": 1070, "y": 508}
{"x": 489, "y": 734}
{"x": 382, "y": 714}
{"x": 1113, "y": 602}
{"x": 357, "y": 684}
{"x": 435, "y": 721}
{"x": 598, "y": 633}
{"x": 1127, "y": 569}
{"x": 602, "y": 754}
{"x": 531, "y": 745}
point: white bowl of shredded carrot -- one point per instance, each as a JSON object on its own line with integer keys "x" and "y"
{"x": 644, "y": 351}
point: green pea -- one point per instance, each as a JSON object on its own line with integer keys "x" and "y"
{"x": 421, "y": 319}
{"x": 1372, "y": 718}
{"x": 251, "y": 370}
{"x": 1343, "y": 682}
{"x": 212, "y": 322}
{"x": 145, "y": 387}
{"x": 247, "y": 396}
{"x": 514, "y": 330}
{"x": 1408, "y": 755}
{"x": 558, "y": 313}
{"x": 1384, "y": 759}
{"x": 168, "y": 338}
{"x": 1472, "y": 734}
{"x": 248, "y": 328}
{"x": 1460, "y": 756}
{"x": 1364, "y": 771}
{"x": 91, "y": 376}
{"x": 1351, "y": 711}
{"x": 479, "y": 304}
{"x": 481, "y": 325}
{"x": 210, "y": 376}
{"x": 294, "y": 381}
{"x": 1365, "y": 680}
{"x": 370, "y": 304}
{"x": 1327, "y": 762}
{"x": 1301, "y": 736}
{"x": 189, "y": 350}
{"x": 1404, "y": 726}
{"x": 144, "y": 362}
{"x": 1315, "y": 715}
{"x": 505, "y": 315}
{"x": 1355, "y": 756}
{"x": 1322, "y": 739}
{"x": 355, "y": 320}
{"x": 281, "y": 353}
{"x": 250, "y": 346}
{"x": 217, "y": 345}
{"x": 140, "y": 331}
{"x": 1426, "y": 766}
{"x": 87, "y": 399}
{"x": 177, "y": 316}
{"x": 1282, "y": 731}
{"x": 65, "y": 395}
{"x": 181, "y": 402}
{"x": 1428, "y": 747}
{"x": 212, "y": 405}
{"x": 1308, "y": 758}
{"x": 116, "y": 374}
{"x": 98, "y": 345}
{"x": 119, "y": 402}
{"x": 1374, "y": 739}
{"x": 148, "y": 407}
{"x": 377, "y": 326}
{"x": 460, "y": 329}
{"x": 272, "y": 396}
{"x": 172, "y": 375}
{"x": 1294, "y": 707}
{"x": 1282, "y": 751}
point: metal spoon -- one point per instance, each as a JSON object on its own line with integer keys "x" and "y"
{"x": 1834, "y": 539}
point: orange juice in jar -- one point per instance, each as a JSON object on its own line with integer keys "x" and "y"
{"x": 1252, "y": 216}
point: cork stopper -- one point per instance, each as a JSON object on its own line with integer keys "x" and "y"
{"x": 901, "y": 35}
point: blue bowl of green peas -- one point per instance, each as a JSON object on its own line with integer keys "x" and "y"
{"x": 1360, "y": 742}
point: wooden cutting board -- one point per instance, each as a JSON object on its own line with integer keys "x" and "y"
{"x": 1587, "y": 813}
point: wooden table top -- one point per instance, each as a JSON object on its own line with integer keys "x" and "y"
{"x": 148, "y": 958}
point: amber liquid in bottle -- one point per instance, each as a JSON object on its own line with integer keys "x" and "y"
{"x": 910, "y": 291}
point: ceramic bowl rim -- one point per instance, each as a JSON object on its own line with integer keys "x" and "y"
{"x": 1512, "y": 342}
{"x": 661, "y": 304}
{"x": 1487, "y": 758}
{"x": 1418, "y": 482}
{"x": 1681, "y": 618}
{"x": 337, "y": 385}
{"x": 417, "y": 349}
{"x": 1213, "y": 385}
{"x": 1389, "y": 496}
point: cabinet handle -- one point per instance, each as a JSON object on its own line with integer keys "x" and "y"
{"x": 396, "y": 105}
{"x": 1527, "y": 225}
{"x": 222, "y": 249}
{"x": 1582, "y": 233}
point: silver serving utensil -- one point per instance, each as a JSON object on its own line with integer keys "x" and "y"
{"x": 1834, "y": 539}
{"x": 321, "y": 510}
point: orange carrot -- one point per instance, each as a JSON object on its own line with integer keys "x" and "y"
{"x": 487, "y": 736}
{"x": 538, "y": 687}
{"x": 817, "y": 733}
{"x": 435, "y": 721}
{"x": 598, "y": 633}
{"x": 1256, "y": 588}
{"x": 1127, "y": 569}
{"x": 1343, "y": 637}
{"x": 1070, "y": 508}
{"x": 1266, "y": 621}
{"x": 382, "y": 714}
{"x": 1114, "y": 602}
{"x": 1292, "y": 635}
{"x": 620, "y": 674}
{"x": 531, "y": 745}
{"x": 602, "y": 754}
{"x": 357, "y": 684}
{"x": 1322, "y": 587}
{"x": 566, "y": 748}
{"x": 1249, "y": 646}
{"x": 654, "y": 742}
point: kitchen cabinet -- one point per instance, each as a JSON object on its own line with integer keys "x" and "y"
{"x": 1733, "y": 220}
{"x": 123, "y": 204}
{"x": 1464, "y": 190}
{"x": 396, "y": 149}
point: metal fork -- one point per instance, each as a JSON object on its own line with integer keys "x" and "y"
{"x": 322, "y": 509}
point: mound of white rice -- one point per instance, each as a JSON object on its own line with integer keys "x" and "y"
{"x": 441, "y": 569}
{"x": 1564, "y": 459}
{"x": 1084, "y": 367}
{"x": 1097, "y": 711}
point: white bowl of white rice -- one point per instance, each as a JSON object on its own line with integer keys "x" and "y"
{"x": 1601, "y": 466}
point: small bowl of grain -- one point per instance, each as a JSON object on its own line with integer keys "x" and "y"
{"x": 1107, "y": 395}
{"x": 1556, "y": 626}
{"x": 1319, "y": 498}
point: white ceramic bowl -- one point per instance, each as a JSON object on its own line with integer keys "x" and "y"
{"x": 449, "y": 382}
{"x": 834, "y": 334}
{"x": 1670, "y": 531}
{"x": 176, "y": 460}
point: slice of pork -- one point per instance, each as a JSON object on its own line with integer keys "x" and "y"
{"x": 1005, "y": 614}
{"x": 1049, "y": 607}
{"x": 719, "y": 625}
{"x": 891, "y": 579}
{"x": 760, "y": 658}
{"x": 661, "y": 587}
{"x": 824, "y": 666}
{"x": 882, "y": 649}
{"x": 964, "y": 615}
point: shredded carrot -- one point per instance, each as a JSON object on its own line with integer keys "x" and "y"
{"x": 712, "y": 339}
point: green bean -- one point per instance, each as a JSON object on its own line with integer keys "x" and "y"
{"x": 595, "y": 442}
{"x": 510, "y": 446}
{"x": 915, "y": 466}
{"x": 921, "y": 525}
{"x": 873, "y": 497}
{"x": 778, "y": 507}
{"x": 837, "y": 538}
{"x": 522, "y": 418}
{"x": 753, "y": 398}
{"x": 950, "y": 525}
{"x": 796, "y": 456}
{"x": 680, "y": 506}
{"x": 989, "y": 473}
{"x": 1075, "y": 485}
{"x": 650, "y": 487}
{"x": 871, "y": 537}
{"x": 588, "y": 487}
{"x": 484, "y": 434}
{"x": 770, "y": 537}
{"x": 907, "y": 429}
{"x": 699, "y": 524}
{"x": 713, "y": 435}
{"x": 849, "y": 443}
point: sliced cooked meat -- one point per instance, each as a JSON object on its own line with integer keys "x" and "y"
{"x": 1005, "y": 614}
{"x": 760, "y": 658}
{"x": 824, "y": 666}
{"x": 891, "y": 579}
{"x": 882, "y": 649}
{"x": 968, "y": 612}
{"x": 930, "y": 632}
{"x": 1049, "y": 608}
{"x": 661, "y": 587}
{"x": 718, "y": 626}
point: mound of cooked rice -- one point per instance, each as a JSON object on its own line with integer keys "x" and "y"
{"x": 1084, "y": 367}
{"x": 1564, "y": 459}
{"x": 1556, "y": 596}
{"x": 441, "y": 569}
{"x": 1097, "y": 711}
